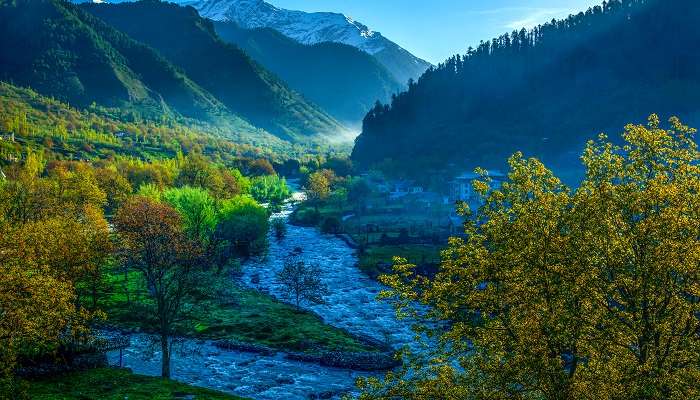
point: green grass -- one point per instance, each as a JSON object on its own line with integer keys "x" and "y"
{"x": 389, "y": 219}
{"x": 245, "y": 315}
{"x": 116, "y": 384}
{"x": 260, "y": 319}
{"x": 375, "y": 256}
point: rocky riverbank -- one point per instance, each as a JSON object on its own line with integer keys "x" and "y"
{"x": 351, "y": 304}
{"x": 263, "y": 373}
{"x": 250, "y": 374}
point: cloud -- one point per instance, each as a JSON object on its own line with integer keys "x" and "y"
{"x": 535, "y": 16}
{"x": 521, "y": 17}
{"x": 502, "y": 10}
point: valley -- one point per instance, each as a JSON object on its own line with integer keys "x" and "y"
{"x": 243, "y": 199}
{"x": 272, "y": 375}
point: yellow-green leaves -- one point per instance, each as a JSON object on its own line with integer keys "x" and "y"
{"x": 555, "y": 293}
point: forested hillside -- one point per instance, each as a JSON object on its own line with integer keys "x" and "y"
{"x": 190, "y": 42}
{"x": 543, "y": 91}
{"x": 31, "y": 121}
{"x": 63, "y": 52}
{"x": 342, "y": 79}
{"x": 313, "y": 28}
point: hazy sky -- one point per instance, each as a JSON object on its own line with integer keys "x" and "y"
{"x": 437, "y": 29}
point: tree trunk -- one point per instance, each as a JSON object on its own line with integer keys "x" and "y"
{"x": 165, "y": 349}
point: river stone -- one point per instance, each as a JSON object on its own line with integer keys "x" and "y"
{"x": 254, "y": 375}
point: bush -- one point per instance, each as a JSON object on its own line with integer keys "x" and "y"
{"x": 280, "y": 228}
{"x": 306, "y": 217}
{"x": 331, "y": 225}
{"x": 244, "y": 225}
{"x": 270, "y": 189}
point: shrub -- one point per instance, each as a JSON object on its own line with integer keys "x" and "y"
{"x": 331, "y": 225}
{"x": 306, "y": 217}
{"x": 280, "y": 228}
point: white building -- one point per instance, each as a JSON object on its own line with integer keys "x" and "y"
{"x": 462, "y": 187}
{"x": 401, "y": 188}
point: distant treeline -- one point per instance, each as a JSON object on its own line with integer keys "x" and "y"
{"x": 543, "y": 91}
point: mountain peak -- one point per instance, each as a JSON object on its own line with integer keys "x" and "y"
{"x": 314, "y": 28}
{"x": 307, "y": 28}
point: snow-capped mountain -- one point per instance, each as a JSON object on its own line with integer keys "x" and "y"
{"x": 312, "y": 28}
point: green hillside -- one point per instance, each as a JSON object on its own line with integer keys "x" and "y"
{"x": 247, "y": 89}
{"x": 342, "y": 79}
{"x": 29, "y": 120}
{"x": 63, "y": 52}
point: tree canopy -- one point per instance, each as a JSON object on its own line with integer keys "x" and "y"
{"x": 614, "y": 63}
{"x": 556, "y": 293}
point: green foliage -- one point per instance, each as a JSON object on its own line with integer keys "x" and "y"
{"x": 55, "y": 241}
{"x": 196, "y": 207}
{"x": 331, "y": 225}
{"x": 63, "y": 132}
{"x": 221, "y": 182}
{"x": 543, "y": 92}
{"x": 150, "y": 191}
{"x": 557, "y": 293}
{"x": 378, "y": 259}
{"x": 115, "y": 384}
{"x": 269, "y": 189}
{"x": 359, "y": 191}
{"x": 115, "y": 186}
{"x": 306, "y": 216}
{"x": 243, "y": 224}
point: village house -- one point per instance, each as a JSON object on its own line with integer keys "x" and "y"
{"x": 461, "y": 188}
{"x": 401, "y": 188}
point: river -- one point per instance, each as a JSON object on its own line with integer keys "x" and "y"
{"x": 351, "y": 305}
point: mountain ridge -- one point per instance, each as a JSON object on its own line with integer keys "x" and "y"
{"x": 544, "y": 92}
{"x": 342, "y": 79}
{"x": 75, "y": 57}
{"x": 314, "y": 28}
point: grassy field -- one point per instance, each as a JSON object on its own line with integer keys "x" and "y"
{"x": 116, "y": 384}
{"x": 387, "y": 224}
{"x": 244, "y": 315}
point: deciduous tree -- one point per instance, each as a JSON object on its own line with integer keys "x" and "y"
{"x": 302, "y": 282}
{"x": 196, "y": 207}
{"x": 318, "y": 187}
{"x": 554, "y": 293}
{"x": 154, "y": 243}
{"x": 243, "y": 224}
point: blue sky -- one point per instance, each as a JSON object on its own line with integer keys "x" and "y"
{"x": 437, "y": 29}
